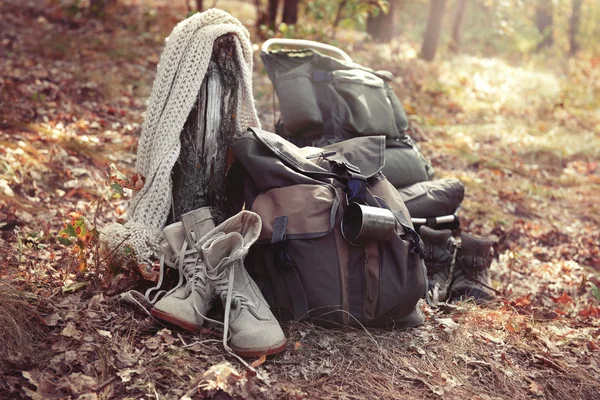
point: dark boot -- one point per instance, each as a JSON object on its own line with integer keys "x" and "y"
{"x": 440, "y": 249}
{"x": 472, "y": 273}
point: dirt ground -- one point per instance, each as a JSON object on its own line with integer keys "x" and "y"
{"x": 525, "y": 141}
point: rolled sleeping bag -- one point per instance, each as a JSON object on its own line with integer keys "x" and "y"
{"x": 432, "y": 199}
{"x": 404, "y": 164}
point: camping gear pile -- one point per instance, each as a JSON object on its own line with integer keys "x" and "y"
{"x": 322, "y": 213}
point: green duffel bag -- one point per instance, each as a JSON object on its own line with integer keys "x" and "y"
{"x": 302, "y": 261}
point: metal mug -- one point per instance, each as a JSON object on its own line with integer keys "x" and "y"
{"x": 362, "y": 224}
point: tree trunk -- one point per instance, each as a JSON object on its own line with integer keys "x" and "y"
{"x": 290, "y": 12}
{"x": 199, "y": 5}
{"x": 433, "y": 29}
{"x": 457, "y": 24}
{"x": 262, "y": 16}
{"x": 383, "y": 27}
{"x": 544, "y": 21}
{"x": 199, "y": 175}
{"x": 273, "y": 5}
{"x": 574, "y": 27}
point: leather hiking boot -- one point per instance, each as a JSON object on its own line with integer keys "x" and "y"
{"x": 472, "y": 273}
{"x": 187, "y": 303}
{"x": 440, "y": 253}
{"x": 254, "y": 329}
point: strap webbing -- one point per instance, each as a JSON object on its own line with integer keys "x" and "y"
{"x": 288, "y": 269}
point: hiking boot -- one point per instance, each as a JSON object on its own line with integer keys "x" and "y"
{"x": 440, "y": 253}
{"x": 187, "y": 303}
{"x": 472, "y": 273}
{"x": 415, "y": 318}
{"x": 254, "y": 329}
{"x": 173, "y": 237}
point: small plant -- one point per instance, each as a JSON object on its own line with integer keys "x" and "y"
{"x": 81, "y": 232}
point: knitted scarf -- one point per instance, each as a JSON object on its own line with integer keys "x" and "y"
{"x": 181, "y": 70}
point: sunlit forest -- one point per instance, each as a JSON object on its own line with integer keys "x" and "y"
{"x": 503, "y": 96}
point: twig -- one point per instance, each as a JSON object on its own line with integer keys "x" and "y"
{"x": 106, "y": 383}
{"x": 115, "y": 249}
{"x": 338, "y": 17}
{"x": 550, "y": 363}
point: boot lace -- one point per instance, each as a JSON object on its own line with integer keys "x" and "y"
{"x": 190, "y": 273}
{"x": 438, "y": 268}
{"x": 223, "y": 281}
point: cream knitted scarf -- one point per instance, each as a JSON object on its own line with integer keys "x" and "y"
{"x": 181, "y": 70}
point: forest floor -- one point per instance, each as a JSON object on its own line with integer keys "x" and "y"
{"x": 525, "y": 142}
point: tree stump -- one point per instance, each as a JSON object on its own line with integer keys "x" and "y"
{"x": 199, "y": 175}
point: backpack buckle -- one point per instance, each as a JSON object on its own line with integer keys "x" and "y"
{"x": 282, "y": 257}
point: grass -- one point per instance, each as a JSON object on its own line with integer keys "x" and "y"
{"x": 22, "y": 329}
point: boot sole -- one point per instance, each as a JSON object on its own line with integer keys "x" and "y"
{"x": 257, "y": 353}
{"x": 175, "y": 321}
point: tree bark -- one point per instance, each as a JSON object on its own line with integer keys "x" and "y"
{"x": 574, "y": 27}
{"x": 273, "y": 5}
{"x": 383, "y": 27}
{"x": 262, "y": 16}
{"x": 433, "y": 29}
{"x": 290, "y": 12}
{"x": 544, "y": 22}
{"x": 457, "y": 24}
{"x": 199, "y": 175}
{"x": 199, "y": 5}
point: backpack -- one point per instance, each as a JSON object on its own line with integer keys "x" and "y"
{"x": 325, "y": 100}
{"x": 302, "y": 263}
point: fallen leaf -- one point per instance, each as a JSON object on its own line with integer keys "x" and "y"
{"x": 152, "y": 343}
{"x": 88, "y": 396}
{"x": 563, "y": 299}
{"x": 74, "y": 287}
{"x": 448, "y": 324}
{"x": 125, "y": 374}
{"x": 166, "y": 336}
{"x": 258, "y": 362}
{"x": 79, "y": 383}
{"x": 535, "y": 389}
{"x": 30, "y": 378}
{"x": 52, "y": 319}
{"x": 104, "y": 333}
{"x": 71, "y": 331}
{"x": 512, "y": 326}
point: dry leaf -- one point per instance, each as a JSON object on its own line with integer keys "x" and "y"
{"x": 258, "y": 362}
{"x": 71, "y": 331}
{"x": 535, "y": 389}
{"x": 125, "y": 374}
{"x": 104, "y": 333}
{"x": 512, "y": 326}
{"x": 448, "y": 324}
{"x": 52, "y": 319}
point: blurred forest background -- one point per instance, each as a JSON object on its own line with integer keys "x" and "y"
{"x": 504, "y": 95}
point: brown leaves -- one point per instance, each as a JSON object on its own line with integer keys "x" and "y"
{"x": 71, "y": 331}
{"x": 119, "y": 181}
{"x": 563, "y": 299}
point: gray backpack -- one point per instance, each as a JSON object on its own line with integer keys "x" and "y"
{"x": 325, "y": 100}
{"x": 302, "y": 261}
